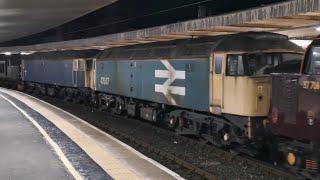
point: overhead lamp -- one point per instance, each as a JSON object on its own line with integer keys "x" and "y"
{"x": 25, "y": 53}
{"x": 302, "y": 43}
{"x": 7, "y": 53}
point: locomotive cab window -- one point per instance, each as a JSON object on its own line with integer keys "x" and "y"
{"x": 260, "y": 64}
{"x": 235, "y": 65}
{"x": 313, "y": 66}
{"x": 218, "y": 64}
{"x": 89, "y": 65}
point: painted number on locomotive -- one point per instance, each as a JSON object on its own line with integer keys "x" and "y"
{"x": 104, "y": 80}
{"x": 313, "y": 85}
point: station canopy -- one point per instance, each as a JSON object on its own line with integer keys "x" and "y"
{"x": 20, "y": 18}
{"x": 298, "y": 19}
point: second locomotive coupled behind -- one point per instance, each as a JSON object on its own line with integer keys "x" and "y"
{"x": 216, "y": 88}
{"x": 295, "y": 113}
{"x": 10, "y": 71}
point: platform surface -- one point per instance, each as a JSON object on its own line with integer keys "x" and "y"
{"x": 23, "y": 151}
{"x": 117, "y": 159}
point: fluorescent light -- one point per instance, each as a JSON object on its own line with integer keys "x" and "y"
{"x": 318, "y": 28}
{"x": 302, "y": 43}
{"x": 7, "y": 53}
{"x": 25, "y": 53}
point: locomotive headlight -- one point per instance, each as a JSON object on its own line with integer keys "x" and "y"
{"x": 291, "y": 158}
{"x": 226, "y": 137}
{"x": 310, "y": 119}
{"x": 7, "y": 53}
{"x": 154, "y": 116}
{"x": 172, "y": 121}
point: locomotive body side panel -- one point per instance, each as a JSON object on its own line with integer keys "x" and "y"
{"x": 183, "y": 83}
{"x": 54, "y": 72}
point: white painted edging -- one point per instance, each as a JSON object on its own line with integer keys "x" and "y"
{"x": 54, "y": 145}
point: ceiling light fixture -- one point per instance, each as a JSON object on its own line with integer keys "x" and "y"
{"x": 25, "y": 53}
{"x": 7, "y": 53}
{"x": 302, "y": 43}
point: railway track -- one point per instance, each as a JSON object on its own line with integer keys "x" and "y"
{"x": 202, "y": 167}
{"x": 186, "y": 156}
{"x": 165, "y": 155}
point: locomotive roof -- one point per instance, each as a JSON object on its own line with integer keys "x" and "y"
{"x": 62, "y": 55}
{"x": 203, "y": 47}
{"x": 179, "y": 49}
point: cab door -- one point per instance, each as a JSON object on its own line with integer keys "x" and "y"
{"x": 3, "y": 69}
{"x": 218, "y": 73}
{"x": 90, "y": 73}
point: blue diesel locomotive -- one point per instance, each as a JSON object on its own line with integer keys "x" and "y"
{"x": 215, "y": 88}
{"x": 58, "y": 73}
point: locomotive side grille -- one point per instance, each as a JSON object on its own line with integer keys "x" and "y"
{"x": 285, "y": 88}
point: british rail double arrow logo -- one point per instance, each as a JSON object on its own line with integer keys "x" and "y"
{"x": 171, "y": 75}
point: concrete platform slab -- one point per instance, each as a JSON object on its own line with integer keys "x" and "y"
{"x": 24, "y": 154}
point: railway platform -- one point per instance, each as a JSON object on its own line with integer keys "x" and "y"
{"x": 41, "y": 141}
{"x": 24, "y": 153}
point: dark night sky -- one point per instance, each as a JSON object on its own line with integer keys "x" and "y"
{"x": 126, "y": 15}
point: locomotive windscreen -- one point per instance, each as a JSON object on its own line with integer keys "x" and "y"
{"x": 313, "y": 61}
{"x": 258, "y": 64}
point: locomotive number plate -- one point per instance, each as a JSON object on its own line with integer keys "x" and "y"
{"x": 313, "y": 85}
{"x": 104, "y": 80}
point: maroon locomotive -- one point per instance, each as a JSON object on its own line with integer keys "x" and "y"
{"x": 295, "y": 114}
